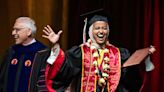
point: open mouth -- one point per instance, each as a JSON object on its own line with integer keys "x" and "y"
{"x": 16, "y": 36}
{"x": 100, "y": 35}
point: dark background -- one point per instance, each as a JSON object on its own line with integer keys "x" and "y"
{"x": 135, "y": 24}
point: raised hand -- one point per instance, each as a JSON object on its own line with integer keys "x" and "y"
{"x": 51, "y": 35}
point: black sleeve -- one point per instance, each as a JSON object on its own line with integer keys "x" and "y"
{"x": 3, "y": 68}
{"x": 2, "y": 75}
{"x": 130, "y": 80}
{"x": 69, "y": 70}
{"x": 124, "y": 54}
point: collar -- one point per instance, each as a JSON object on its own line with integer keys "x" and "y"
{"x": 32, "y": 41}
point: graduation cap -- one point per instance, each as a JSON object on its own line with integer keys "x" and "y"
{"x": 138, "y": 56}
{"x": 93, "y": 12}
{"x": 93, "y": 16}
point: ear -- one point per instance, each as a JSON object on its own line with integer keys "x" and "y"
{"x": 29, "y": 32}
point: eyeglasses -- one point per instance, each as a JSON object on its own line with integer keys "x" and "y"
{"x": 18, "y": 29}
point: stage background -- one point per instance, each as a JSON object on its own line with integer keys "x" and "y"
{"x": 135, "y": 24}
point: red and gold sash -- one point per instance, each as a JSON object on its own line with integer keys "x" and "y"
{"x": 89, "y": 78}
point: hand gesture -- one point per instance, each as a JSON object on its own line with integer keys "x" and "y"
{"x": 51, "y": 35}
{"x": 152, "y": 49}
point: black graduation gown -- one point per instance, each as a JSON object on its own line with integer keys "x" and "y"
{"x": 70, "y": 71}
{"x": 19, "y": 77}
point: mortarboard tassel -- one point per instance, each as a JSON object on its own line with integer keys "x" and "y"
{"x": 84, "y": 30}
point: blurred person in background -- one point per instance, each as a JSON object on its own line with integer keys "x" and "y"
{"x": 23, "y": 67}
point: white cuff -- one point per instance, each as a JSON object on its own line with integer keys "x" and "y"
{"x": 149, "y": 65}
{"x": 54, "y": 54}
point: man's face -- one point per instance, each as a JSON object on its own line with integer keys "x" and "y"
{"x": 20, "y": 33}
{"x": 100, "y": 32}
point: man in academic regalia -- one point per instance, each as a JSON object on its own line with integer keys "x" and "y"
{"x": 95, "y": 64}
{"x": 23, "y": 67}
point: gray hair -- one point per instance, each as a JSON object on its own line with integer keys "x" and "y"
{"x": 29, "y": 23}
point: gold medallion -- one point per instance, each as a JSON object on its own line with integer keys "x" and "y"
{"x": 28, "y": 63}
{"x": 14, "y": 61}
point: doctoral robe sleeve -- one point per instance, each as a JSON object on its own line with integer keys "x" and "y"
{"x": 64, "y": 69}
{"x": 3, "y": 68}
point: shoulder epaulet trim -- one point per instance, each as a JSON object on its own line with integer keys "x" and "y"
{"x": 43, "y": 50}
